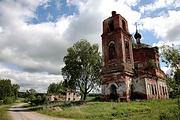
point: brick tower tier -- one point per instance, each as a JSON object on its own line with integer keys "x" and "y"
{"x": 117, "y": 72}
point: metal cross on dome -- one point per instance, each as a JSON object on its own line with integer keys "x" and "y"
{"x": 137, "y": 24}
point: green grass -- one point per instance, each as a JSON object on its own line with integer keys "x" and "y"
{"x": 3, "y": 112}
{"x": 134, "y": 110}
{"x": 20, "y": 100}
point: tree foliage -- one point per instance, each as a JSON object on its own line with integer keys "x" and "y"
{"x": 171, "y": 56}
{"x": 15, "y": 90}
{"x": 30, "y": 95}
{"x": 56, "y": 88}
{"x": 151, "y": 64}
{"x": 82, "y": 67}
{"x": 8, "y": 91}
{"x": 34, "y": 98}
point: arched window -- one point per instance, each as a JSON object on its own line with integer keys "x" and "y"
{"x": 123, "y": 25}
{"x": 112, "y": 51}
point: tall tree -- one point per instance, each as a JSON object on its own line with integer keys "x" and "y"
{"x": 8, "y": 91}
{"x": 82, "y": 67}
{"x": 56, "y": 88}
{"x": 30, "y": 95}
{"x": 15, "y": 88}
{"x": 171, "y": 56}
{"x": 5, "y": 89}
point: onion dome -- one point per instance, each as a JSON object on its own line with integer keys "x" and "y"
{"x": 137, "y": 35}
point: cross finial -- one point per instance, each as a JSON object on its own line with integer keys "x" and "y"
{"x": 136, "y": 25}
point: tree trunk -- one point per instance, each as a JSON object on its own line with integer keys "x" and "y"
{"x": 84, "y": 96}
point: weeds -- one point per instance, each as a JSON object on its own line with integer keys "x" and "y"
{"x": 3, "y": 112}
{"x": 134, "y": 110}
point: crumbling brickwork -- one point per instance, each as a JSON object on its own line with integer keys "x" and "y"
{"x": 129, "y": 73}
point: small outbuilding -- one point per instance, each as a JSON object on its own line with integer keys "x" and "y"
{"x": 72, "y": 95}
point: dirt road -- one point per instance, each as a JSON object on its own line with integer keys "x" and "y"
{"x": 17, "y": 112}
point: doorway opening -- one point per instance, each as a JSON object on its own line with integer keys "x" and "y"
{"x": 113, "y": 93}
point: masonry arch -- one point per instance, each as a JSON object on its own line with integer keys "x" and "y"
{"x": 112, "y": 50}
{"x": 113, "y": 91}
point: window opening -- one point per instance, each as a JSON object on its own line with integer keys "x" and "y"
{"x": 111, "y": 25}
{"x": 123, "y": 25}
{"x": 112, "y": 51}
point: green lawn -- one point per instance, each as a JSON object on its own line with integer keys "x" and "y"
{"x": 134, "y": 110}
{"x": 3, "y": 112}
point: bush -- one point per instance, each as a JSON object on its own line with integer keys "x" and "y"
{"x": 8, "y": 100}
{"x": 39, "y": 100}
{"x": 1, "y": 102}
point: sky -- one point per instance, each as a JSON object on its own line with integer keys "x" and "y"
{"x": 35, "y": 34}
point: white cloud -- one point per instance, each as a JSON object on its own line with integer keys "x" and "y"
{"x": 132, "y": 2}
{"x": 58, "y": 5}
{"x": 166, "y": 28}
{"x": 91, "y": 14}
{"x": 158, "y": 4}
{"x": 1, "y": 29}
{"x": 26, "y": 80}
{"x": 169, "y": 43}
{"x": 40, "y": 48}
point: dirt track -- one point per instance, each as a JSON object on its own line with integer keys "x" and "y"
{"x": 17, "y": 112}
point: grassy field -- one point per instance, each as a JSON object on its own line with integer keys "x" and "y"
{"x": 134, "y": 110}
{"x": 3, "y": 112}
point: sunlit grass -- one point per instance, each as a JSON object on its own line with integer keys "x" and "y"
{"x": 134, "y": 110}
{"x": 3, "y": 112}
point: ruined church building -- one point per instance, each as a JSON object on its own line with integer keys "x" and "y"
{"x": 129, "y": 72}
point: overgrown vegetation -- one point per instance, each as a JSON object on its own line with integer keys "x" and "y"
{"x": 8, "y": 91}
{"x": 151, "y": 64}
{"x": 34, "y": 98}
{"x": 3, "y": 112}
{"x": 134, "y": 110}
{"x": 56, "y": 88}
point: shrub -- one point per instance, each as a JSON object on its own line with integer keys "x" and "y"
{"x": 8, "y": 100}
{"x": 1, "y": 102}
{"x": 39, "y": 100}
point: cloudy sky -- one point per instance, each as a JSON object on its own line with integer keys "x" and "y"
{"x": 34, "y": 34}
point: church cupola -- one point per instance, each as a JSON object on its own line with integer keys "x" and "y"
{"x": 137, "y": 36}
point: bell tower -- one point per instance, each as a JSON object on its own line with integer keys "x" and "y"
{"x": 118, "y": 63}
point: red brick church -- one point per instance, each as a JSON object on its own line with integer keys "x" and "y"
{"x": 129, "y": 71}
